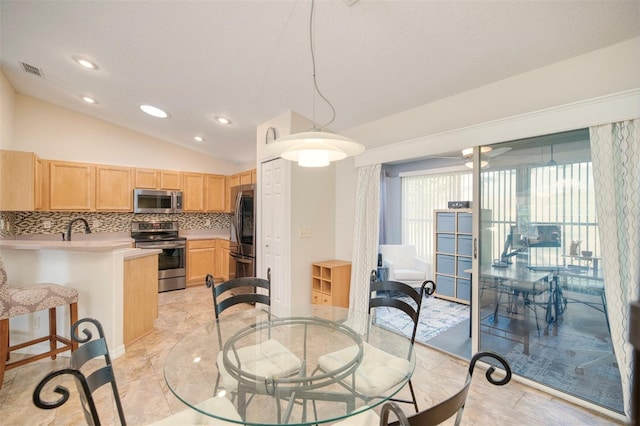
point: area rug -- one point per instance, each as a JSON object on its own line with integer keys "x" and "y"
{"x": 436, "y": 317}
{"x": 562, "y": 362}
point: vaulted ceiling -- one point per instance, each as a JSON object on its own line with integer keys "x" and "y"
{"x": 250, "y": 61}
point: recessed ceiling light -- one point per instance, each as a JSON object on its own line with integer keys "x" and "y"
{"x": 88, "y": 99}
{"x": 223, "y": 120}
{"x": 198, "y": 138}
{"x": 85, "y": 63}
{"x": 154, "y": 111}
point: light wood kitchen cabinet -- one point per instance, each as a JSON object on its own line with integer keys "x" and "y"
{"x": 215, "y": 193}
{"x": 114, "y": 188}
{"x": 201, "y": 260}
{"x": 245, "y": 177}
{"x": 140, "y": 296}
{"x": 330, "y": 282}
{"x": 146, "y": 179}
{"x": 235, "y": 180}
{"x": 170, "y": 180}
{"x": 222, "y": 259}
{"x": 254, "y": 176}
{"x": 193, "y": 192}
{"x": 71, "y": 186}
{"x": 21, "y": 181}
{"x": 227, "y": 194}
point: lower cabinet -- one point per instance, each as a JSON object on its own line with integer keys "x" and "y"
{"x": 207, "y": 257}
{"x": 330, "y": 283}
{"x": 201, "y": 260}
{"x": 140, "y": 295}
{"x": 222, "y": 259}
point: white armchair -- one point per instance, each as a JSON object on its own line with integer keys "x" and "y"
{"x": 403, "y": 264}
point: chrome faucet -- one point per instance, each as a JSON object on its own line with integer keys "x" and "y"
{"x": 67, "y": 236}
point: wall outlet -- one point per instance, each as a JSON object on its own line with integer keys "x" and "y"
{"x": 1, "y": 224}
{"x": 207, "y": 223}
{"x": 96, "y": 223}
{"x": 46, "y": 224}
{"x": 36, "y": 322}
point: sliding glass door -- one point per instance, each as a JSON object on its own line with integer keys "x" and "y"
{"x": 541, "y": 300}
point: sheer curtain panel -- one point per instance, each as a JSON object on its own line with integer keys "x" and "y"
{"x": 615, "y": 149}
{"x": 365, "y": 235}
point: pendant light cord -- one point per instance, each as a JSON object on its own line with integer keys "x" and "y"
{"x": 313, "y": 62}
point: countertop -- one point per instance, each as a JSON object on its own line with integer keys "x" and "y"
{"x": 98, "y": 241}
{"x": 206, "y": 234}
{"x": 86, "y": 246}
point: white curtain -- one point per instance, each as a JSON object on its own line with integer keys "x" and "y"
{"x": 365, "y": 236}
{"x": 615, "y": 151}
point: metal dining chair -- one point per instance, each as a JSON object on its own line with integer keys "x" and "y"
{"x": 91, "y": 369}
{"x": 386, "y": 369}
{"x": 452, "y": 406}
{"x": 270, "y": 357}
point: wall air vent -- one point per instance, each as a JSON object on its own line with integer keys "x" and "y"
{"x": 32, "y": 70}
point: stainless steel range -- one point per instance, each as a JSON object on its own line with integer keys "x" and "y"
{"x": 163, "y": 235}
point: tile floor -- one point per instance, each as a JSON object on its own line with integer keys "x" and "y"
{"x": 146, "y": 398}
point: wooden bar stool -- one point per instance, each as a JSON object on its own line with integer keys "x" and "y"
{"x": 27, "y": 299}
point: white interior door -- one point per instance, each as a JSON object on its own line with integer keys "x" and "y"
{"x": 274, "y": 231}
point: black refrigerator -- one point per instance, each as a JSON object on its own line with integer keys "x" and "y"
{"x": 242, "y": 256}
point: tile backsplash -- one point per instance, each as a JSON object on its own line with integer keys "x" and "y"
{"x": 28, "y": 223}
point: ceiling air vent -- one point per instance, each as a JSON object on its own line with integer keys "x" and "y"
{"x": 32, "y": 70}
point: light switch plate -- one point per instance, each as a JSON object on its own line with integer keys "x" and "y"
{"x": 304, "y": 232}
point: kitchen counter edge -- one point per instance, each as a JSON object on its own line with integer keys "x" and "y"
{"x": 86, "y": 246}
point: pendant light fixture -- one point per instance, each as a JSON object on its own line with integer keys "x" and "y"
{"x": 317, "y": 147}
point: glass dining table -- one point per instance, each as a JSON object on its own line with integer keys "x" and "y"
{"x": 309, "y": 395}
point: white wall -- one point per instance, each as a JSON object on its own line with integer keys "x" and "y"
{"x": 56, "y": 133}
{"x": 7, "y": 101}
{"x": 599, "y": 73}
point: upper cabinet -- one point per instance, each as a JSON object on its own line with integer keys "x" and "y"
{"x": 245, "y": 178}
{"x": 171, "y": 180}
{"x": 114, "y": 188}
{"x": 29, "y": 183}
{"x": 146, "y": 179}
{"x": 215, "y": 193}
{"x": 21, "y": 181}
{"x": 71, "y": 186}
{"x": 193, "y": 192}
{"x": 158, "y": 179}
{"x": 203, "y": 192}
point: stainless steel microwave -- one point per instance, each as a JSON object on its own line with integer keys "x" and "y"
{"x": 154, "y": 201}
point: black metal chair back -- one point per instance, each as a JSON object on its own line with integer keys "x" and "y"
{"x": 248, "y": 284}
{"x": 381, "y": 293}
{"x": 453, "y": 405}
{"x": 85, "y": 383}
{"x": 384, "y": 294}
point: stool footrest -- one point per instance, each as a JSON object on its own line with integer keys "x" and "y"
{"x": 66, "y": 346}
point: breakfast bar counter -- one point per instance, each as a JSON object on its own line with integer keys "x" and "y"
{"x": 116, "y": 284}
